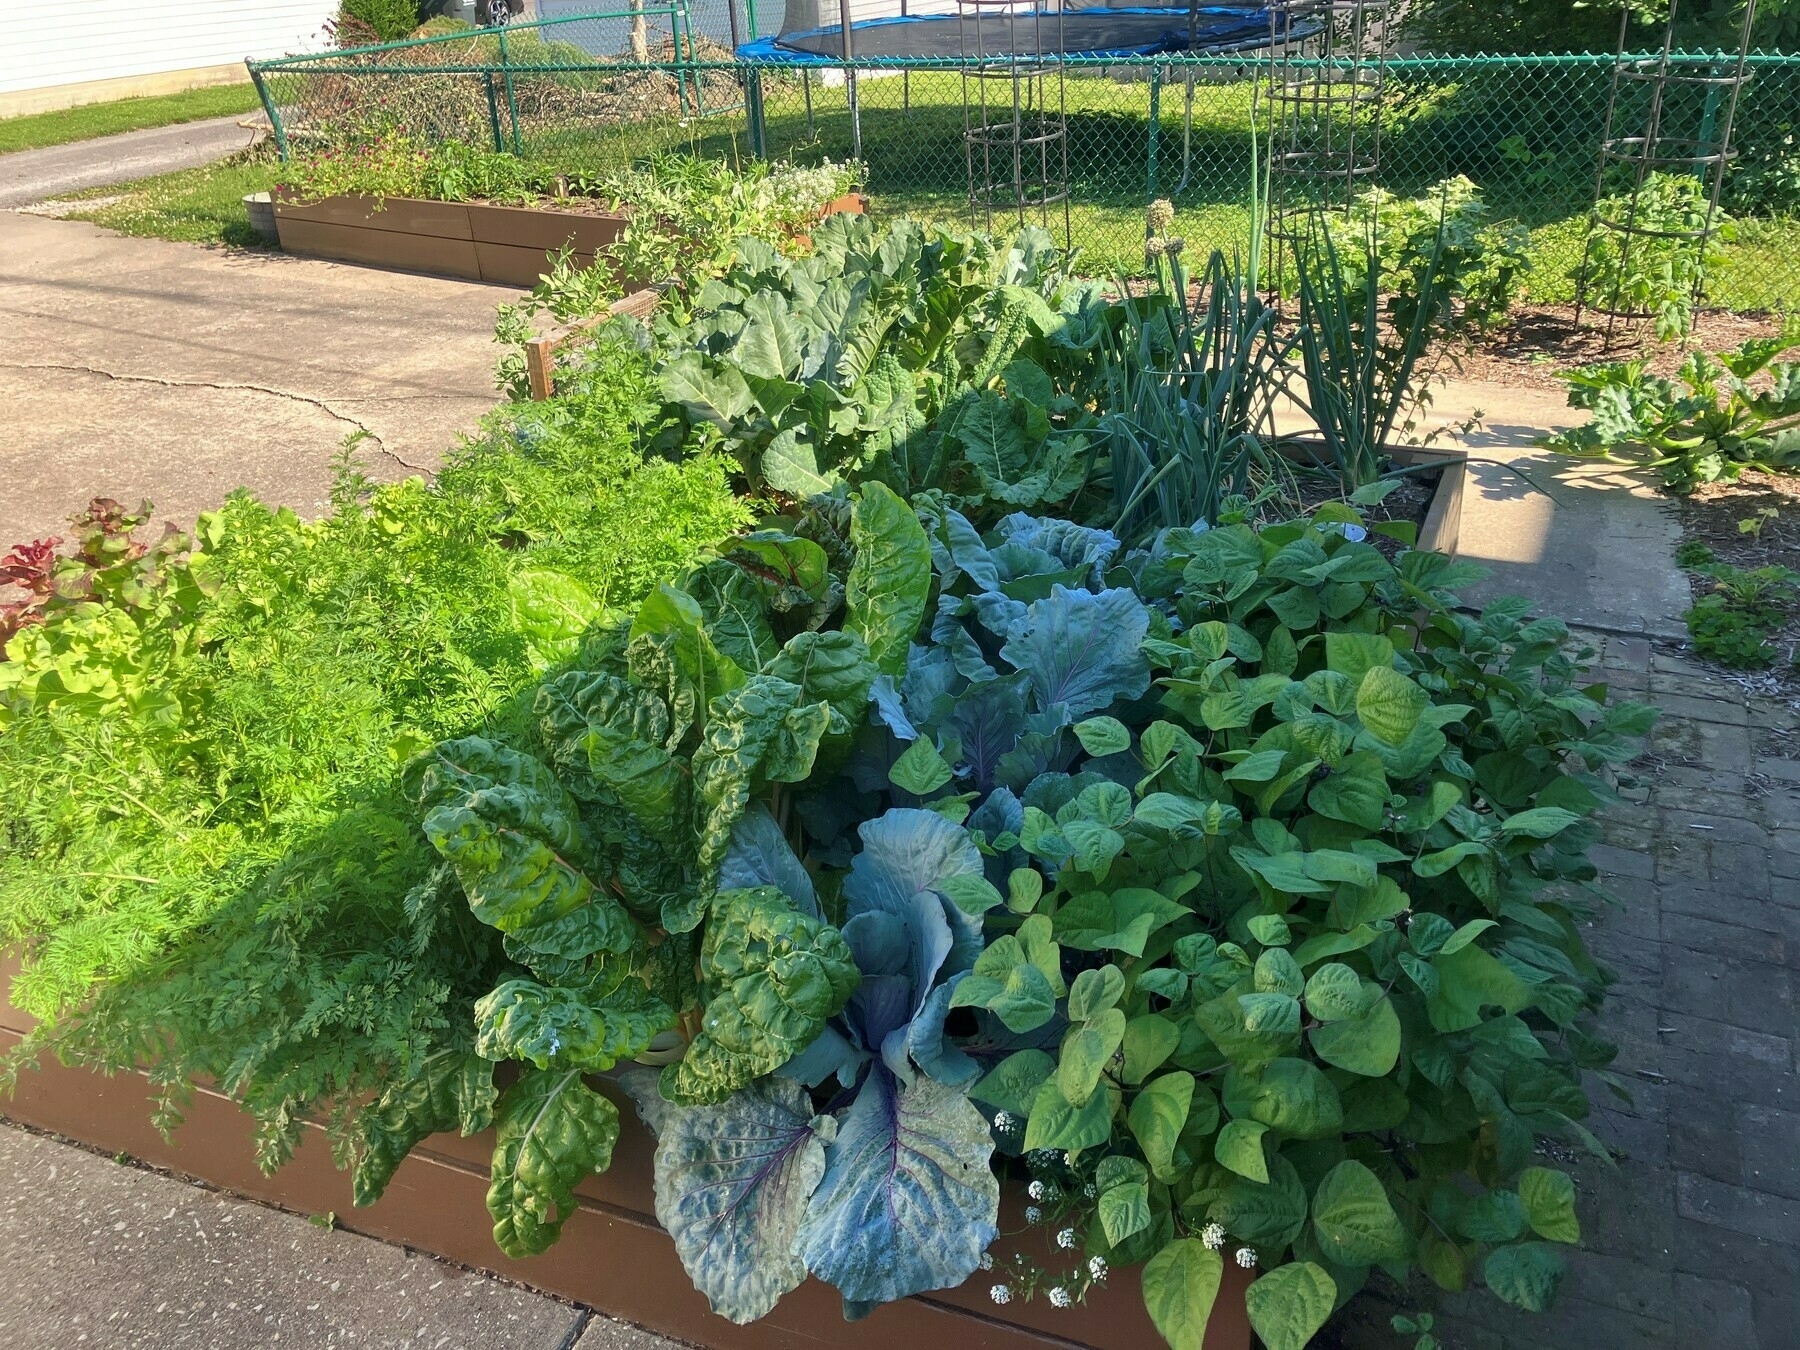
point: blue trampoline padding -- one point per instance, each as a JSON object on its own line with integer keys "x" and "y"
{"x": 1094, "y": 33}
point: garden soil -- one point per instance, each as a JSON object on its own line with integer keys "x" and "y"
{"x": 136, "y": 368}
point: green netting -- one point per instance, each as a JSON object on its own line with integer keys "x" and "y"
{"x": 593, "y": 92}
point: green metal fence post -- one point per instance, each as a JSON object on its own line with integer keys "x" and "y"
{"x": 512, "y": 101}
{"x": 274, "y": 113}
{"x": 487, "y": 78}
{"x": 1155, "y": 125}
{"x": 753, "y": 99}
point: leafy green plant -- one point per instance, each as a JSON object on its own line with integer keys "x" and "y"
{"x": 1747, "y": 606}
{"x": 1656, "y": 270}
{"x": 1693, "y": 553}
{"x": 379, "y": 20}
{"x": 1721, "y": 415}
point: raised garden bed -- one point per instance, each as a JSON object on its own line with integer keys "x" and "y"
{"x": 613, "y": 1255}
{"x": 505, "y": 245}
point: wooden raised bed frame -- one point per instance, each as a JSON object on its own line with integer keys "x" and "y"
{"x": 506, "y": 245}
{"x": 613, "y": 1256}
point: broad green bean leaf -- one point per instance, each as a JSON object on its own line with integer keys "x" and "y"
{"x": 1222, "y": 1019}
{"x": 1463, "y": 936}
{"x": 1389, "y": 704}
{"x": 1082, "y": 649}
{"x": 1093, "y": 845}
{"x": 552, "y": 610}
{"x": 1353, "y": 1219}
{"x": 550, "y": 1131}
{"x": 890, "y": 581}
{"x": 1124, "y": 1210}
{"x": 1103, "y": 736}
{"x": 1054, "y": 1123}
{"x": 1288, "y": 1305}
{"x": 448, "y": 1090}
{"x": 1271, "y": 1214}
{"x": 1290, "y": 1095}
{"x": 1094, "y": 991}
{"x": 1157, "y": 1116}
{"x": 1542, "y": 822}
{"x": 1356, "y": 792}
{"x": 1549, "y": 1198}
{"x": 1024, "y": 888}
{"x": 1437, "y": 863}
{"x": 1086, "y": 1052}
{"x": 1468, "y": 981}
{"x": 1013, "y": 1084}
{"x": 1499, "y": 1216}
{"x": 972, "y": 895}
{"x": 1353, "y": 655}
{"x": 732, "y": 1186}
{"x": 1421, "y": 813}
{"x": 1277, "y": 972}
{"x": 1334, "y": 993}
{"x": 1525, "y": 1274}
{"x": 1335, "y": 944}
{"x": 1368, "y": 1045}
{"x": 1331, "y": 864}
{"x": 1006, "y": 983}
{"x": 772, "y": 976}
{"x": 921, "y": 770}
{"x": 555, "y": 1027}
{"x": 1149, "y": 1041}
{"x": 1270, "y": 929}
{"x": 667, "y": 611}
{"x": 1122, "y": 921}
{"x": 1271, "y": 1014}
{"x": 1239, "y": 1146}
{"x": 909, "y": 1201}
{"x": 1181, "y": 1283}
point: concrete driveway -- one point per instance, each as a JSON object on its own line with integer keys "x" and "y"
{"x": 36, "y": 175}
{"x": 136, "y": 368}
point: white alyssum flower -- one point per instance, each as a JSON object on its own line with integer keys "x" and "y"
{"x": 1246, "y": 1257}
{"x": 1066, "y": 1239}
{"x": 987, "y": 1260}
{"x": 1003, "y": 1121}
{"x": 1035, "y": 1190}
{"x": 1097, "y": 1267}
{"x": 1060, "y": 1297}
{"x": 1033, "y": 1214}
{"x": 1213, "y": 1235}
{"x": 1089, "y": 1191}
{"x": 1001, "y": 1293}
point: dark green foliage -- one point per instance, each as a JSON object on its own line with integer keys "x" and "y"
{"x": 1693, "y": 553}
{"x": 380, "y": 20}
{"x": 1747, "y": 607}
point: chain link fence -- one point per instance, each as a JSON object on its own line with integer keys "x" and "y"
{"x": 593, "y": 92}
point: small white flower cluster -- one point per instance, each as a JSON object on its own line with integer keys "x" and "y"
{"x": 1005, "y": 1121}
{"x": 1246, "y": 1257}
{"x": 1213, "y": 1235}
{"x": 1066, "y": 1239}
{"x": 1097, "y": 1268}
{"x": 1035, "y": 1190}
{"x": 1060, "y": 1297}
{"x": 1088, "y": 1191}
{"x": 1033, "y": 1214}
{"x": 987, "y": 1260}
{"x": 1001, "y": 1293}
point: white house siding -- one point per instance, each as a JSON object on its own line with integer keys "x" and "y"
{"x": 59, "y": 42}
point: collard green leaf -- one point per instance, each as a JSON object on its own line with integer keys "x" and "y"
{"x": 891, "y": 579}
{"x": 550, "y": 1131}
{"x": 772, "y": 976}
{"x": 1181, "y": 1284}
{"x": 1082, "y": 650}
{"x": 1353, "y": 1219}
{"x": 562, "y": 1028}
{"x": 448, "y": 1090}
{"x": 908, "y": 1201}
{"x": 732, "y": 1186}
{"x": 1288, "y": 1305}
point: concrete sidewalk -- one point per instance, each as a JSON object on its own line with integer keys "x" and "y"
{"x": 138, "y": 368}
{"x": 28, "y": 176}
{"x": 98, "y": 1254}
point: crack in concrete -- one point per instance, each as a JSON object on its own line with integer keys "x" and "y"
{"x": 318, "y": 403}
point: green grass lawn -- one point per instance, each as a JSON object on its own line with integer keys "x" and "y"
{"x": 195, "y": 206}
{"x": 35, "y": 130}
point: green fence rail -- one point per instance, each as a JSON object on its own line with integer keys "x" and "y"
{"x": 593, "y": 92}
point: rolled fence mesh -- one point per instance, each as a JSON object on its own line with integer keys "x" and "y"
{"x": 592, "y": 93}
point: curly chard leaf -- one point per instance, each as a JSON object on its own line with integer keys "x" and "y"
{"x": 772, "y": 978}
{"x": 891, "y": 579}
{"x": 555, "y": 1027}
{"x": 450, "y": 1090}
{"x": 550, "y": 1131}
{"x": 908, "y": 1201}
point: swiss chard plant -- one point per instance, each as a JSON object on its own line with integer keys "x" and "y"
{"x": 1721, "y": 415}
{"x": 883, "y": 355}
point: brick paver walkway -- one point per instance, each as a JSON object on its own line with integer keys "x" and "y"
{"x": 1694, "y": 1242}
